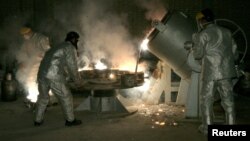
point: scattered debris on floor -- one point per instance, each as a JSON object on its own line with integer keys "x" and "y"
{"x": 162, "y": 114}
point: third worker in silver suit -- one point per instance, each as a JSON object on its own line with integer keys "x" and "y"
{"x": 214, "y": 47}
{"x": 58, "y": 63}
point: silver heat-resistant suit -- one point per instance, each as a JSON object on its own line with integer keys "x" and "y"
{"x": 57, "y": 63}
{"x": 214, "y": 47}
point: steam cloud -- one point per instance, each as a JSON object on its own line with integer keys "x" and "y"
{"x": 106, "y": 36}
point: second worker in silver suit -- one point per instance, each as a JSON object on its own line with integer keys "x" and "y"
{"x": 214, "y": 47}
{"x": 57, "y": 64}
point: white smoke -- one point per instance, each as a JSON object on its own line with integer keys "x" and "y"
{"x": 104, "y": 31}
{"x": 106, "y": 36}
{"x": 155, "y": 9}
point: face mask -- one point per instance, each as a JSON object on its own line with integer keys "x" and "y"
{"x": 201, "y": 25}
{"x": 74, "y": 43}
{"x": 198, "y": 25}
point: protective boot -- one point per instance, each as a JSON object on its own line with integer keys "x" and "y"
{"x": 227, "y": 102}
{"x": 73, "y": 123}
{"x": 67, "y": 106}
{"x": 207, "y": 117}
{"x": 40, "y": 109}
{"x": 38, "y": 123}
{"x": 206, "y": 120}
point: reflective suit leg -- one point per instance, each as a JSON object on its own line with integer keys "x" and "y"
{"x": 206, "y": 104}
{"x": 64, "y": 95}
{"x": 52, "y": 99}
{"x": 225, "y": 88}
{"x": 42, "y": 102}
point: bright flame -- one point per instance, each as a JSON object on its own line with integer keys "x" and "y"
{"x": 30, "y": 83}
{"x": 162, "y": 123}
{"x": 111, "y": 76}
{"x": 85, "y": 68}
{"x": 32, "y": 92}
{"x": 144, "y": 44}
{"x": 100, "y": 66}
{"x": 126, "y": 66}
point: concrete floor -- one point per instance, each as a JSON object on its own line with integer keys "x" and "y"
{"x": 16, "y": 123}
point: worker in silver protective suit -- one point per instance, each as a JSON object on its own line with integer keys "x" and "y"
{"x": 29, "y": 57}
{"x": 58, "y": 63}
{"x": 214, "y": 46}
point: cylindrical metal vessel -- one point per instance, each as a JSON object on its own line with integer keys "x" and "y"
{"x": 9, "y": 87}
{"x": 167, "y": 43}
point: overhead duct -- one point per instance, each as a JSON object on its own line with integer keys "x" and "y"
{"x": 167, "y": 41}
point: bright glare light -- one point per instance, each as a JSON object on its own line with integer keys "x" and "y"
{"x": 84, "y": 68}
{"x": 144, "y": 44}
{"x": 146, "y": 74}
{"x": 145, "y": 86}
{"x": 33, "y": 92}
{"x": 162, "y": 123}
{"x": 157, "y": 122}
{"x": 111, "y": 76}
{"x": 100, "y": 66}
